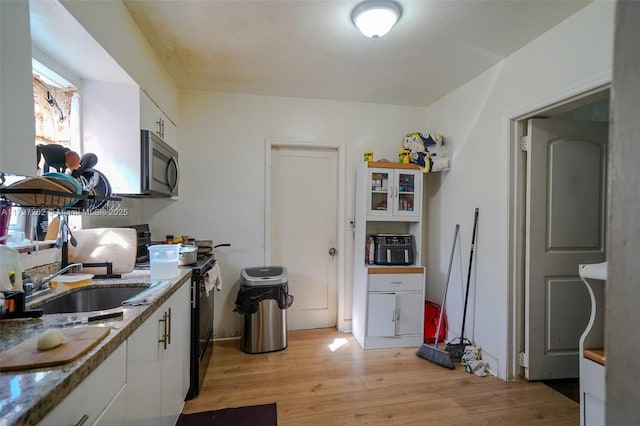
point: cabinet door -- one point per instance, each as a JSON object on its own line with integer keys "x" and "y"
{"x": 115, "y": 413}
{"x": 154, "y": 119}
{"x": 170, "y": 132}
{"x": 379, "y": 192}
{"x": 144, "y": 372}
{"x": 410, "y": 307}
{"x": 407, "y": 187}
{"x": 149, "y": 119}
{"x": 175, "y": 383}
{"x": 94, "y": 394}
{"x": 381, "y": 316}
{"x": 156, "y": 378}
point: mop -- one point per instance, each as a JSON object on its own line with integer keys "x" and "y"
{"x": 433, "y": 353}
{"x": 457, "y": 349}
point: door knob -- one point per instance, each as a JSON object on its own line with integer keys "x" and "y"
{"x": 332, "y": 251}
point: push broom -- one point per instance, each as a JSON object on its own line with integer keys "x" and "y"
{"x": 433, "y": 353}
{"x": 457, "y": 349}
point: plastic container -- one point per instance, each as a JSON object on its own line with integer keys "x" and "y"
{"x": 163, "y": 260}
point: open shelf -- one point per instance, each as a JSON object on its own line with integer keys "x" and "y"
{"x": 596, "y": 355}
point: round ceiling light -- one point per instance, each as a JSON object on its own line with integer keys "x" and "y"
{"x": 374, "y": 18}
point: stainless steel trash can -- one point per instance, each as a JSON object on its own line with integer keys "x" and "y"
{"x": 263, "y": 300}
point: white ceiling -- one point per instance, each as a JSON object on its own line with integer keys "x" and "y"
{"x": 311, "y": 49}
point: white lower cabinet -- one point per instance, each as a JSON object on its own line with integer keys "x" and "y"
{"x": 394, "y": 309}
{"x": 394, "y": 314}
{"x": 157, "y": 359}
{"x": 143, "y": 382}
{"x": 98, "y": 399}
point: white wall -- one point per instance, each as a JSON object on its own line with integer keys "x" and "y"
{"x": 222, "y": 156}
{"x": 111, "y": 25}
{"x": 622, "y": 291}
{"x": 474, "y": 120}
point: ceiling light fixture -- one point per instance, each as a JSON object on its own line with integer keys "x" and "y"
{"x": 374, "y": 18}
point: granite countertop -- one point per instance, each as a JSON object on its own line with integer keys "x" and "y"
{"x": 27, "y": 396}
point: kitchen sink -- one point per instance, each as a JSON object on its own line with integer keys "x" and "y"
{"x": 90, "y": 299}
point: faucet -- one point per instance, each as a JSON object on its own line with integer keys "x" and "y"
{"x": 46, "y": 280}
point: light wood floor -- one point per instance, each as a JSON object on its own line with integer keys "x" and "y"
{"x": 315, "y": 385}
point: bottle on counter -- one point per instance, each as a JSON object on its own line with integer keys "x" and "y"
{"x": 370, "y": 251}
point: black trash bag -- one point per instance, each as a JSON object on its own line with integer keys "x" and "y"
{"x": 249, "y": 297}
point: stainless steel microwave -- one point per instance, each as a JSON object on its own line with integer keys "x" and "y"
{"x": 160, "y": 171}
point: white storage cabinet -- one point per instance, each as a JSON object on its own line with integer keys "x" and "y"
{"x": 388, "y": 301}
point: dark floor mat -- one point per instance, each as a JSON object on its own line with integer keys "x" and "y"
{"x": 568, "y": 387}
{"x": 253, "y": 415}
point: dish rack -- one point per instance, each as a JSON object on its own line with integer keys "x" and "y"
{"x": 41, "y": 198}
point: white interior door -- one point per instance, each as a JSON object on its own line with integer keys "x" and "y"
{"x": 304, "y": 232}
{"x": 566, "y": 200}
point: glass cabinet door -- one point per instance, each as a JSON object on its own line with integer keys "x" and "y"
{"x": 406, "y": 202}
{"x": 380, "y": 191}
{"x": 394, "y": 192}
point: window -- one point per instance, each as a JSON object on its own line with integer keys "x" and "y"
{"x": 57, "y": 120}
{"x": 56, "y": 108}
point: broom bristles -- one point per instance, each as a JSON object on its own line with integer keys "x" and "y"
{"x": 435, "y": 355}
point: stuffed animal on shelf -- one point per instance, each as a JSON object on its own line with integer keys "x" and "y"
{"x": 428, "y": 152}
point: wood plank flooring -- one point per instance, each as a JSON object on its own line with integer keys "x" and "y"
{"x": 315, "y": 383}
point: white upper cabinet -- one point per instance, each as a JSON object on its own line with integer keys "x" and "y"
{"x": 154, "y": 119}
{"x": 394, "y": 194}
{"x": 17, "y": 127}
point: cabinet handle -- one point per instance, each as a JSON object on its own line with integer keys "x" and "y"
{"x": 396, "y": 283}
{"x": 82, "y": 420}
{"x": 164, "y": 331}
{"x": 169, "y": 327}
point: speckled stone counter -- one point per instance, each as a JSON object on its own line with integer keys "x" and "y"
{"x": 27, "y": 396}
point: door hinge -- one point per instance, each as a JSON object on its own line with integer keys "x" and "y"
{"x": 524, "y": 143}
{"x": 523, "y": 360}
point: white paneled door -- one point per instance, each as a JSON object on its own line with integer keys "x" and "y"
{"x": 304, "y": 235}
{"x": 566, "y": 199}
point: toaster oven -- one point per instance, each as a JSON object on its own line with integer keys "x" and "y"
{"x": 393, "y": 249}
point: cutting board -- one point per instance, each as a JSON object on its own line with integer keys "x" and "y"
{"x": 99, "y": 245}
{"x": 77, "y": 341}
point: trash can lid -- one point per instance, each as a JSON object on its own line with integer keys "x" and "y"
{"x": 264, "y": 275}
